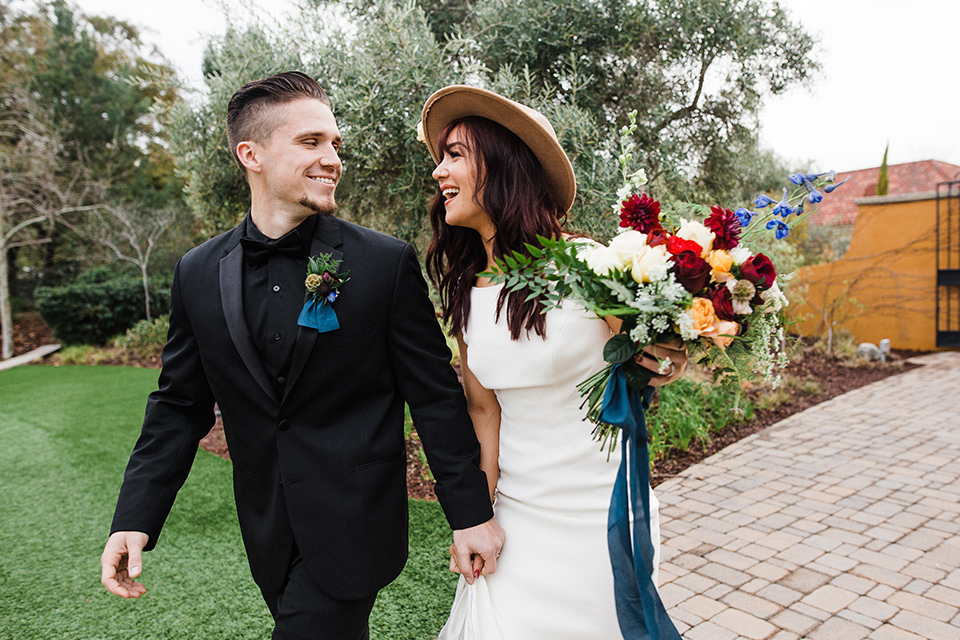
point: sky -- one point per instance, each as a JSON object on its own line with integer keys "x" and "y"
{"x": 886, "y": 76}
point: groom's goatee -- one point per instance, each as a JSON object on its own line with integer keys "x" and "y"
{"x": 316, "y": 208}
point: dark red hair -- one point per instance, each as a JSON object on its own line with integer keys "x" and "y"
{"x": 518, "y": 199}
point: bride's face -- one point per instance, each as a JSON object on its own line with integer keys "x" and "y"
{"x": 457, "y": 177}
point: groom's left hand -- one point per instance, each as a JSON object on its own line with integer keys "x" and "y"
{"x": 476, "y": 549}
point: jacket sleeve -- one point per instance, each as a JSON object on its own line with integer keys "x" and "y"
{"x": 179, "y": 413}
{"x": 429, "y": 385}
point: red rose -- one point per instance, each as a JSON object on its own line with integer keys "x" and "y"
{"x": 677, "y": 245}
{"x": 691, "y": 270}
{"x": 722, "y": 302}
{"x": 759, "y": 270}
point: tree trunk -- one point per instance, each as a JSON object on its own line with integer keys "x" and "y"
{"x": 146, "y": 289}
{"x": 6, "y": 315}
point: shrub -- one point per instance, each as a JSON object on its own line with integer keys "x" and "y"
{"x": 688, "y": 410}
{"x": 146, "y": 338}
{"x": 99, "y": 305}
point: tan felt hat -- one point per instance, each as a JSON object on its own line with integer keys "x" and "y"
{"x": 459, "y": 101}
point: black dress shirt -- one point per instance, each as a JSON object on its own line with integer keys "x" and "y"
{"x": 273, "y": 296}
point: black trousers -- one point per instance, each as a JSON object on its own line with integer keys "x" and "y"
{"x": 305, "y": 612}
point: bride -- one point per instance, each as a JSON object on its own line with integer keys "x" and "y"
{"x": 504, "y": 180}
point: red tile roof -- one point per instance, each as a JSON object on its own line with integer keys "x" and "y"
{"x": 840, "y": 208}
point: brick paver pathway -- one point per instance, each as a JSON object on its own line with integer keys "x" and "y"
{"x": 838, "y": 523}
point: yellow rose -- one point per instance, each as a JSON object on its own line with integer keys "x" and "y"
{"x": 702, "y": 315}
{"x": 720, "y": 261}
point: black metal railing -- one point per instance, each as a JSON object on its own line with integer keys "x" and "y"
{"x": 948, "y": 264}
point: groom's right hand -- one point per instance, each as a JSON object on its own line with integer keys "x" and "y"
{"x": 122, "y": 561}
{"x": 475, "y": 550}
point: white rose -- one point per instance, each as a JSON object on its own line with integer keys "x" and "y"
{"x": 629, "y": 244}
{"x": 603, "y": 260}
{"x": 651, "y": 265}
{"x": 697, "y": 232}
{"x": 740, "y": 254}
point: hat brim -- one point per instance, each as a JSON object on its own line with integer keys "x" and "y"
{"x": 459, "y": 101}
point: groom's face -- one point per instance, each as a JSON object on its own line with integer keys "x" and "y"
{"x": 299, "y": 162}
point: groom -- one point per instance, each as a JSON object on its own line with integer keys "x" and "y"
{"x": 314, "y": 419}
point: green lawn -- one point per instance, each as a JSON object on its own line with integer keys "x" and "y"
{"x": 65, "y": 434}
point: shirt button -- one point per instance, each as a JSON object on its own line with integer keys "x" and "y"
{"x": 276, "y": 287}
{"x": 277, "y": 336}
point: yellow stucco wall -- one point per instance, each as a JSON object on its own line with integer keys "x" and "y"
{"x": 886, "y": 284}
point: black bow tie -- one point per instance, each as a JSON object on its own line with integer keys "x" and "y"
{"x": 257, "y": 252}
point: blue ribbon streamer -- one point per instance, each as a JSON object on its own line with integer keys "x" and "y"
{"x": 318, "y": 315}
{"x": 640, "y": 611}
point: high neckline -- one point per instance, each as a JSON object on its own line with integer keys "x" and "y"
{"x": 498, "y": 285}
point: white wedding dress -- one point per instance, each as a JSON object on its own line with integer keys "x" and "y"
{"x": 553, "y": 577}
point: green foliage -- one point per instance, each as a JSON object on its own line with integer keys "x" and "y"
{"x": 82, "y": 127}
{"x": 61, "y": 464}
{"x": 883, "y": 178}
{"x": 83, "y": 354}
{"x": 697, "y": 72}
{"x": 146, "y": 338}
{"x": 379, "y": 77}
{"x": 216, "y": 191}
{"x": 98, "y": 306}
{"x": 688, "y": 411}
{"x": 102, "y": 85}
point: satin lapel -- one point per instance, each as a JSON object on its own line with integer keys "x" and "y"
{"x": 326, "y": 236}
{"x": 231, "y": 292}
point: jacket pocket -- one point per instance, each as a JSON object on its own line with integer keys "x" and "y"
{"x": 379, "y": 462}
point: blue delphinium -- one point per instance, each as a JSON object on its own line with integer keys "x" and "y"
{"x": 810, "y": 188}
{"x": 745, "y": 216}
{"x": 830, "y": 187}
{"x": 783, "y": 207}
{"x": 782, "y": 229}
{"x": 763, "y": 201}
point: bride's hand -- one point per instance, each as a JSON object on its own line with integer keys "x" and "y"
{"x": 651, "y": 359}
{"x": 478, "y": 564}
{"x": 454, "y": 566}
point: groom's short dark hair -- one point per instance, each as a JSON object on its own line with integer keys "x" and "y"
{"x": 249, "y": 110}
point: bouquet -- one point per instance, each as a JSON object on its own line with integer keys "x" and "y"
{"x": 686, "y": 274}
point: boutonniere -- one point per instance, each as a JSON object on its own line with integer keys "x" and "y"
{"x": 323, "y": 286}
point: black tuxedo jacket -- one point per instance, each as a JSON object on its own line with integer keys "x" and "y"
{"x": 324, "y": 465}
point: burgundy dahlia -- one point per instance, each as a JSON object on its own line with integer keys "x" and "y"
{"x": 725, "y": 226}
{"x": 641, "y": 213}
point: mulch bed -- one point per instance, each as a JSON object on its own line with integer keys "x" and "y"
{"x": 834, "y": 375}
{"x": 30, "y": 332}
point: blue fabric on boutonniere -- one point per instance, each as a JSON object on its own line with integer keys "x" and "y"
{"x": 323, "y": 287}
{"x": 640, "y": 611}
{"x": 319, "y": 315}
